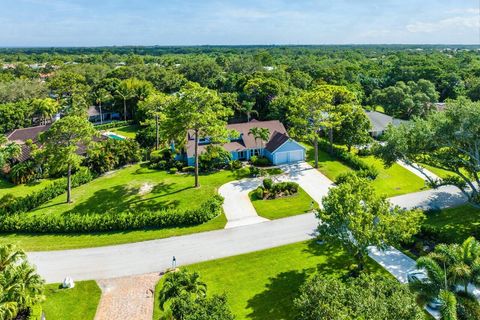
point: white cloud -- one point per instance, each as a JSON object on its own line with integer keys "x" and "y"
{"x": 469, "y": 22}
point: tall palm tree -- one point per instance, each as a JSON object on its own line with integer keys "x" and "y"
{"x": 101, "y": 95}
{"x": 125, "y": 93}
{"x": 247, "y": 107}
{"x": 180, "y": 283}
{"x": 262, "y": 134}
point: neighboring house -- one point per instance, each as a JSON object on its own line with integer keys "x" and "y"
{"x": 107, "y": 116}
{"x": 380, "y": 122}
{"x": 279, "y": 148}
{"x": 21, "y": 136}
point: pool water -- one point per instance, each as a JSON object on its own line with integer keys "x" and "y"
{"x": 114, "y": 136}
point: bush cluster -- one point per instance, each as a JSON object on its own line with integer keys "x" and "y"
{"x": 271, "y": 190}
{"x": 114, "y": 124}
{"x": 110, "y": 154}
{"x": 214, "y": 158}
{"x": 10, "y": 204}
{"x": 351, "y": 160}
{"x": 260, "y": 161}
{"x": 95, "y": 222}
{"x": 164, "y": 160}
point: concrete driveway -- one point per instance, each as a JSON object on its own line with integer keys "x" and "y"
{"x": 239, "y": 209}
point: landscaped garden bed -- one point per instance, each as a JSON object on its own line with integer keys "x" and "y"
{"x": 283, "y": 205}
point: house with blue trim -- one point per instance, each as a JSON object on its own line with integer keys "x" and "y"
{"x": 279, "y": 149}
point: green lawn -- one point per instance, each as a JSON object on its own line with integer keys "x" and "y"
{"x": 131, "y": 188}
{"x": 284, "y": 207}
{"x": 395, "y": 180}
{"x": 21, "y": 189}
{"x": 79, "y": 303}
{"x": 262, "y": 285}
{"x": 327, "y": 164}
{"x": 126, "y": 131}
{"x": 456, "y": 224}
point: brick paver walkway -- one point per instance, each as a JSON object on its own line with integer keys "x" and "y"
{"x": 127, "y": 298}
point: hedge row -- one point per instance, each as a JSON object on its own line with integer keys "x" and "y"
{"x": 350, "y": 159}
{"x": 10, "y": 204}
{"x": 114, "y": 124}
{"x": 78, "y": 223}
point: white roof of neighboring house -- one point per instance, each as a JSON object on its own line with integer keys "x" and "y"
{"x": 381, "y": 121}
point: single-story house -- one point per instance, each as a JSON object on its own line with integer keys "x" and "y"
{"x": 279, "y": 149}
{"x": 96, "y": 117}
{"x": 22, "y": 135}
{"x": 380, "y": 122}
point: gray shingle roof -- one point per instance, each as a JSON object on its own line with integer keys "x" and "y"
{"x": 380, "y": 121}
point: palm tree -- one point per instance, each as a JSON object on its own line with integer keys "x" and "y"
{"x": 247, "y": 108}
{"x": 101, "y": 95}
{"x": 45, "y": 108}
{"x": 179, "y": 283}
{"x": 263, "y": 134}
{"x": 20, "y": 286}
{"x": 8, "y": 150}
{"x": 124, "y": 92}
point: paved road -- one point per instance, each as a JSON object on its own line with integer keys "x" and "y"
{"x": 156, "y": 255}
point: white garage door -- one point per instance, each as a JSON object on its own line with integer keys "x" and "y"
{"x": 289, "y": 157}
{"x": 281, "y": 158}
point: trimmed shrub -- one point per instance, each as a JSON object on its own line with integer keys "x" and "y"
{"x": 188, "y": 169}
{"x": 114, "y": 124}
{"x": 345, "y": 176}
{"x": 260, "y": 161}
{"x": 173, "y": 170}
{"x": 258, "y": 193}
{"x": 95, "y": 222}
{"x": 13, "y": 205}
{"x": 235, "y": 165}
{"x": 267, "y": 183}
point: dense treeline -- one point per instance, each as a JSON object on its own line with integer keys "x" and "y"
{"x": 268, "y": 77}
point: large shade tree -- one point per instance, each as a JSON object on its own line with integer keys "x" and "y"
{"x": 200, "y": 111}
{"x": 449, "y": 140}
{"x": 319, "y": 110}
{"x": 61, "y": 143}
{"x": 356, "y": 217}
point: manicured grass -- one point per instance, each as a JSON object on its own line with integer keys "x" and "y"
{"x": 284, "y": 207}
{"x": 456, "y": 224}
{"x": 327, "y": 164}
{"x": 21, "y": 190}
{"x": 442, "y": 173}
{"x": 394, "y": 180}
{"x": 132, "y": 188}
{"x": 126, "y": 131}
{"x": 47, "y": 242}
{"x": 263, "y": 284}
{"x": 79, "y": 303}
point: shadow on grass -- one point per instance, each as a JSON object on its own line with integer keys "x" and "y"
{"x": 276, "y": 301}
{"x": 122, "y": 198}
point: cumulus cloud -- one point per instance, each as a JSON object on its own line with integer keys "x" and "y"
{"x": 454, "y": 23}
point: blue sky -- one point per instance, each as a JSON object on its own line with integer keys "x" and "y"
{"x": 189, "y": 22}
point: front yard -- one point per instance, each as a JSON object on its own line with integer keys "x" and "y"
{"x": 262, "y": 285}
{"x": 284, "y": 207}
{"x": 79, "y": 303}
{"x": 132, "y": 188}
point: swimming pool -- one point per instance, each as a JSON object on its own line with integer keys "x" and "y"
{"x": 114, "y": 136}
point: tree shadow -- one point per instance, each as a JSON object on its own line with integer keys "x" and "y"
{"x": 122, "y": 198}
{"x": 276, "y": 302}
